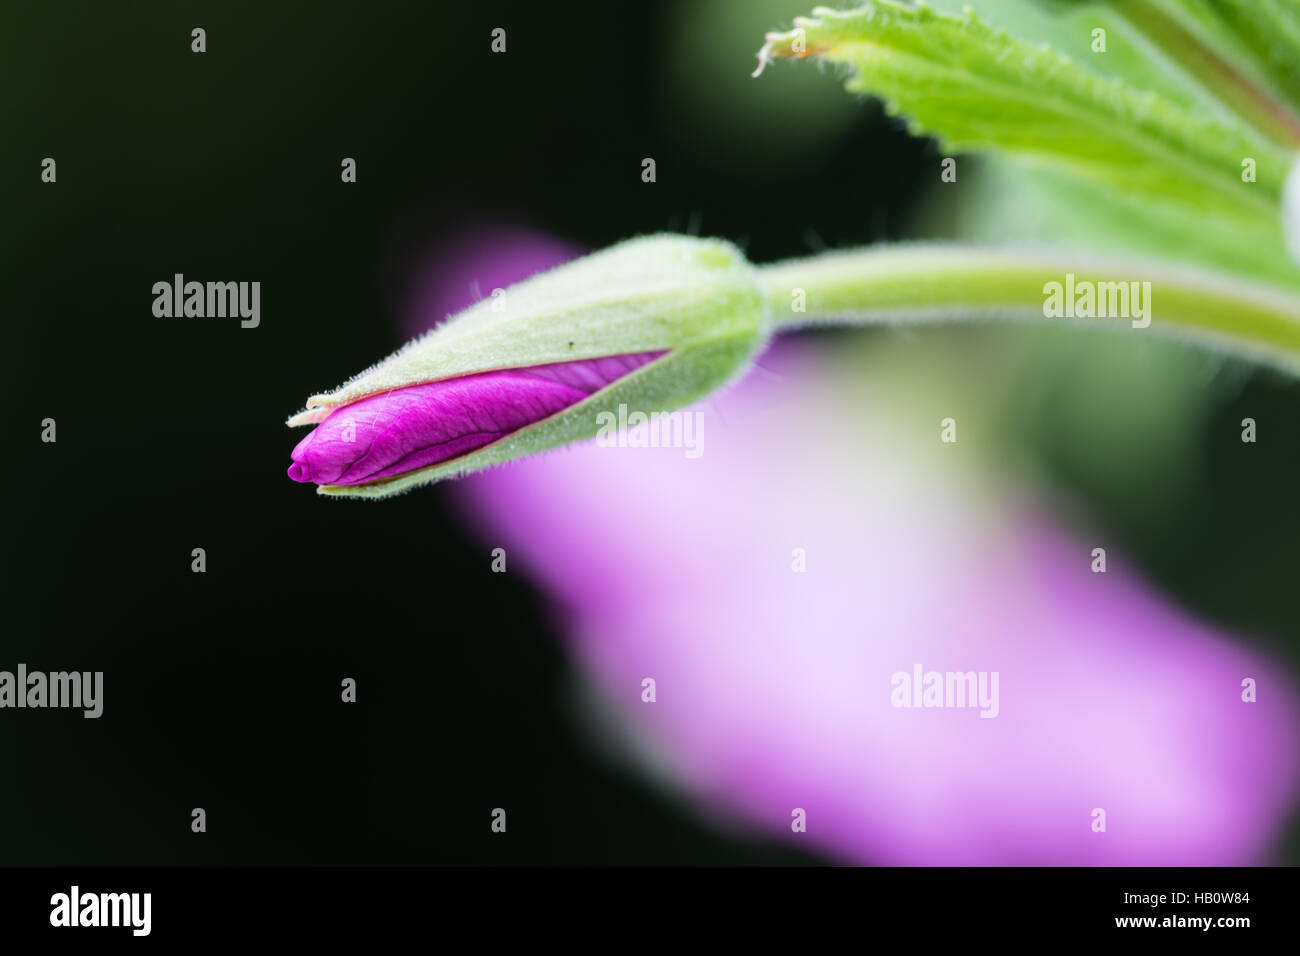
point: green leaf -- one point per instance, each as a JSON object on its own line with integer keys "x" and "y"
{"x": 1067, "y": 26}
{"x": 1271, "y": 29}
{"x": 1245, "y": 54}
{"x": 1002, "y": 200}
{"x": 977, "y": 88}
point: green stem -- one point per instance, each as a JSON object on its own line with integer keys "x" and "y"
{"x": 951, "y": 282}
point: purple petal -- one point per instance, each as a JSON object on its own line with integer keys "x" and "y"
{"x": 410, "y": 428}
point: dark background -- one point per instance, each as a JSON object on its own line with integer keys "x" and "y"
{"x": 222, "y": 689}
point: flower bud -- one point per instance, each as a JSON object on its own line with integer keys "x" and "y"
{"x": 653, "y": 323}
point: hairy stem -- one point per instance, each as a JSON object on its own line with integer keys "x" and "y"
{"x": 951, "y": 282}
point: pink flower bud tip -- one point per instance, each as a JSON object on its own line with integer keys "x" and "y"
{"x": 406, "y": 429}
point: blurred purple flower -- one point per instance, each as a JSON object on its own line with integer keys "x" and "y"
{"x": 773, "y": 687}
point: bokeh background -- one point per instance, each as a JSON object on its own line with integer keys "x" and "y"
{"x": 222, "y": 688}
